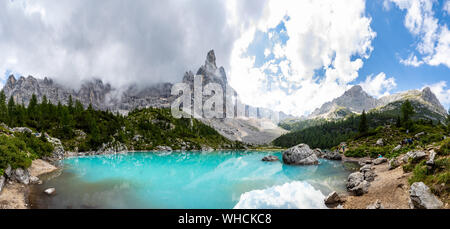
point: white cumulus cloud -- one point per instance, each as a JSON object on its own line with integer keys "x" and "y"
{"x": 379, "y": 85}
{"x": 433, "y": 35}
{"x": 330, "y": 36}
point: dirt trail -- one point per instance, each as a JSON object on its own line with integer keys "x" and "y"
{"x": 390, "y": 187}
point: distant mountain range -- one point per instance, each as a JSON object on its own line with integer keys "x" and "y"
{"x": 355, "y": 100}
{"x": 254, "y": 130}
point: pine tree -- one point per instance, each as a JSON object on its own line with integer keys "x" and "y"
{"x": 407, "y": 112}
{"x": 363, "y": 127}
{"x": 70, "y": 105}
{"x": 11, "y": 112}
{"x": 398, "y": 122}
{"x": 3, "y": 108}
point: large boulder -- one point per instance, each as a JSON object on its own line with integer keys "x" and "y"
{"x": 21, "y": 176}
{"x": 2, "y": 183}
{"x": 422, "y": 198}
{"x": 300, "y": 155}
{"x": 414, "y": 155}
{"x": 356, "y": 184}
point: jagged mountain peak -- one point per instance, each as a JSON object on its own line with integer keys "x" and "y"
{"x": 353, "y": 100}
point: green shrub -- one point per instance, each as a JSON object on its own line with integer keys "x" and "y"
{"x": 420, "y": 173}
{"x": 13, "y": 152}
{"x": 445, "y": 147}
{"x": 358, "y": 152}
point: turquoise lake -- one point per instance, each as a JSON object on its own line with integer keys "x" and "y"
{"x": 224, "y": 180}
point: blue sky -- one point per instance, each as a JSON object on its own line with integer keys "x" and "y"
{"x": 394, "y": 41}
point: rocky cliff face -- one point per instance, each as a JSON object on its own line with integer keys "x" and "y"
{"x": 101, "y": 96}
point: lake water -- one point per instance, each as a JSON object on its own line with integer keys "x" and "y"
{"x": 224, "y": 180}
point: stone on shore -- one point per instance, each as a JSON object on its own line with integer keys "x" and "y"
{"x": 430, "y": 161}
{"x": 164, "y": 148}
{"x": 376, "y": 205}
{"x": 7, "y": 171}
{"x": 300, "y": 155}
{"x": 393, "y": 163}
{"x": 356, "y": 184}
{"x": 332, "y": 198}
{"x": 422, "y": 198}
{"x": 380, "y": 160}
{"x": 270, "y": 158}
{"x": 21, "y": 176}
{"x": 49, "y": 191}
{"x": 414, "y": 155}
{"x": 2, "y": 183}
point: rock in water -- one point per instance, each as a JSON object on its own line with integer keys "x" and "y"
{"x": 300, "y": 155}
{"x": 356, "y": 184}
{"x": 49, "y": 191}
{"x": 422, "y": 198}
{"x": 332, "y": 198}
{"x": 270, "y": 158}
{"x": 2, "y": 183}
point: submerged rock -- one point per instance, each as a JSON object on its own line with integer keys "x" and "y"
{"x": 300, "y": 155}
{"x": 422, "y": 198}
{"x": 270, "y": 158}
{"x": 356, "y": 184}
